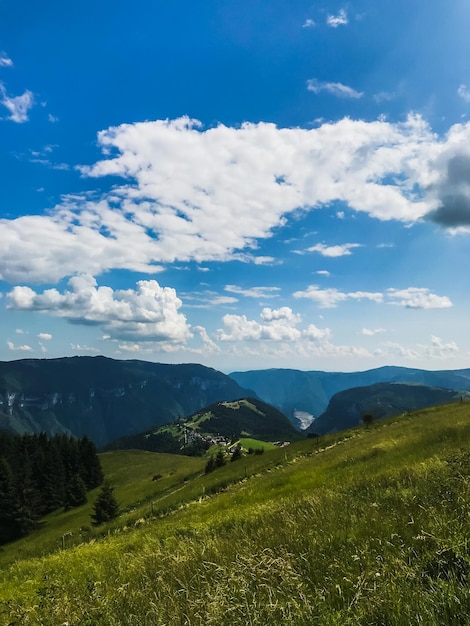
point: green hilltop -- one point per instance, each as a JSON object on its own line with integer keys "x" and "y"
{"x": 220, "y": 422}
{"x": 367, "y": 526}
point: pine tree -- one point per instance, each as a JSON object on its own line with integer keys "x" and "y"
{"x": 75, "y": 494}
{"x": 92, "y": 473}
{"x": 236, "y": 454}
{"x": 220, "y": 458}
{"x": 210, "y": 465}
{"x": 106, "y": 507}
{"x": 8, "y": 530}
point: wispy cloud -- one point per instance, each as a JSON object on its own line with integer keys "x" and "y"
{"x": 337, "y": 20}
{"x": 5, "y": 60}
{"x": 464, "y": 93}
{"x": 254, "y": 292}
{"x": 410, "y": 298}
{"x": 309, "y": 23}
{"x": 370, "y": 332}
{"x": 335, "y": 89}
{"x": 334, "y": 251}
{"x": 18, "y": 106}
{"x": 329, "y": 298}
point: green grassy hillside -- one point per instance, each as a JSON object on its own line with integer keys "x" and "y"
{"x": 366, "y": 527}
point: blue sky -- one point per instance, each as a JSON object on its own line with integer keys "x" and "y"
{"x": 242, "y": 184}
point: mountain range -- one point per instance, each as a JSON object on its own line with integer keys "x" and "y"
{"x": 107, "y": 399}
{"x": 348, "y": 408}
{"x": 295, "y": 391}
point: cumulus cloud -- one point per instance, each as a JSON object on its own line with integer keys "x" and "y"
{"x": 18, "y": 106}
{"x": 190, "y": 194}
{"x": 149, "y": 313}
{"x": 438, "y": 349}
{"x": 45, "y": 336}
{"x": 335, "y": 89}
{"x": 309, "y": 23}
{"x": 23, "y": 348}
{"x": 418, "y": 298}
{"x": 280, "y": 334}
{"x": 337, "y": 20}
{"x": 329, "y": 298}
{"x": 334, "y": 251}
{"x": 279, "y": 325}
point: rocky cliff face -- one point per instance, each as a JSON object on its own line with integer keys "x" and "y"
{"x": 104, "y": 398}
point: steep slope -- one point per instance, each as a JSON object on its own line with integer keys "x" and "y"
{"x": 360, "y": 528}
{"x": 104, "y": 398}
{"x": 249, "y": 417}
{"x": 290, "y": 390}
{"x": 347, "y": 408}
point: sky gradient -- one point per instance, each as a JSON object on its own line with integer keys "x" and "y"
{"x": 243, "y": 184}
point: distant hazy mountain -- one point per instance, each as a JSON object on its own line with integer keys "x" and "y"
{"x": 244, "y": 417}
{"x": 104, "y": 398}
{"x": 295, "y": 390}
{"x": 347, "y": 408}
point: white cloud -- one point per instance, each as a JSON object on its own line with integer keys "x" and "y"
{"x": 334, "y": 251}
{"x": 5, "y": 60}
{"x": 309, "y": 23}
{"x": 335, "y": 89}
{"x": 464, "y": 93}
{"x": 438, "y": 349}
{"x": 52, "y": 118}
{"x": 239, "y": 328}
{"x": 23, "y": 348}
{"x": 18, "y": 106}
{"x": 150, "y": 313}
{"x": 337, "y": 20}
{"x": 280, "y": 336}
{"x": 418, "y": 298}
{"x": 45, "y": 336}
{"x": 323, "y": 273}
{"x": 329, "y": 298}
{"x": 277, "y": 325}
{"x": 284, "y": 314}
{"x": 254, "y": 292}
{"x": 83, "y": 348}
{"x": 210, "y": 195}
{"x": 370, "y": 332}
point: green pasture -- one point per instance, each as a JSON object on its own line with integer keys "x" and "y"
{"x": 367, "y": 527}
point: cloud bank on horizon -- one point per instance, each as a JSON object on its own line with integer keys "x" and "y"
{"x": 327, "y": 231}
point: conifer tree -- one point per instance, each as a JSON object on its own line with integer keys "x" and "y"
{"x": 8, "y": 530}
{"x": 220, "y": 458}
{"x": 75, "y": 494}
{"x": 106, "y": 507}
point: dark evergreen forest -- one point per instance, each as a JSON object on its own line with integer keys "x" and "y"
{"x": 39, "y": 474}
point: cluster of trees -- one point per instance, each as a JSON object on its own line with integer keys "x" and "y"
{"x": 215, "y": 462}
{"x": 39, "y": 474}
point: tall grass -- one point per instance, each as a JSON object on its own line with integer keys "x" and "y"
{"x": 367, "y": 528}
